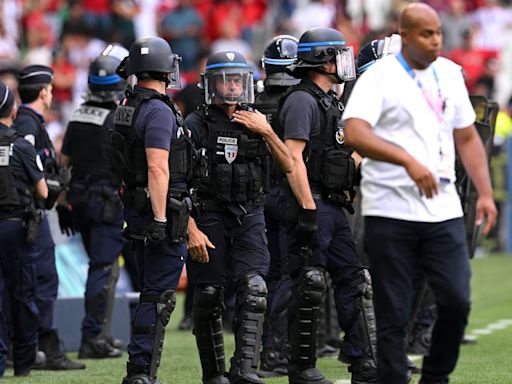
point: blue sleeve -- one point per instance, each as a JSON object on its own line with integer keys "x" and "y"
{"x": 195, "y": 125}
{"x": 159, "y": 125}
{"x": 25, "y": 125}
{"x": 29, "y": 159}
{"x": 299, "y": 116}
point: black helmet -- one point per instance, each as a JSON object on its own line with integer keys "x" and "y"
{"x": 104, "y": 83}
{"x": 321, "y": 45}
{"x": 280, "y": 52}
{"x": 222, "y": 69}
{"x": 152, "y": 57}
{"x": 377, "y": 49}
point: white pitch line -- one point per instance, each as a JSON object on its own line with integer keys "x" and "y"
{"x": 491, "y": 328}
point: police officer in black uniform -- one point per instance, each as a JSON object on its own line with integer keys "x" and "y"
{"x": 227, "y": 240}
{"x": 93, "y": 206}
{"x": 35, "y": 90}
{"x": 280, "y": 52}
{"x": 152, "y": 152}
{"x": 319, "y": 235}
{"x": 21, "y": 181}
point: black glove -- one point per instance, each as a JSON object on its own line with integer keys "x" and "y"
{"x": 155, "y": 233}
{"x": 65, "y": 219}
{"x": 307, "y": 226}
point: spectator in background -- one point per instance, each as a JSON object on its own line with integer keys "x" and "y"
{"x": 146, "y": 20}
{"x": 96, "y": 16}
{"x": 471, "y": 59}
{"x": 491, "y": 22}
{"x": 230, "y": 40}
{"x": 486, "y": 83}
{"x": 63, "y": 82}
{"x": 8, "y": 48}
{"x": 183, "y": 28}
{"x": 317, "y": 13}
{"x": 39, "y": 43}
{"x": 455, "y": 22}
{"x": 123, "y": 16}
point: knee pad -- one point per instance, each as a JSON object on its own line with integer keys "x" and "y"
{"x": 312, "y": 286}
{"x": 165, "y": 305}
{"x": 208, "y": 301}
{"x": 253, "y": 293}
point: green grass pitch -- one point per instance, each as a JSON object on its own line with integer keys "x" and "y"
{"x": 487, "y": 362}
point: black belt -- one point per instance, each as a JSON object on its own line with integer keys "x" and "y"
{"x": 215, "y": 206}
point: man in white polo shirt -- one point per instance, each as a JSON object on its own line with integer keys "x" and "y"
{"x": 406, "y": 115}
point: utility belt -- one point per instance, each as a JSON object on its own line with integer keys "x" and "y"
{"x": 179, "y": 207}
{"x": 338, "y": 199}
{"x": 208, "y": 205}
{"x": 108, "y": 195}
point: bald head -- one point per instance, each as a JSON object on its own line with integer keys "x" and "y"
{"x": 417, "y": 14}
{"x": 420, "y": 29}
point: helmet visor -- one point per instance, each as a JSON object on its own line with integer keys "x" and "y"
{"x": 174, "y": 75}
{"x": 229, "y": 85}
{"x": 345, "y": 65}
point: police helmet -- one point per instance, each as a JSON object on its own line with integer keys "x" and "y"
{"x": 322, "y": 45}
{"x": 152, "y": 58}
{"x": 228, "y": 79}
{"x": 105, "y": 84}
{"x": 280, "y": 52}
{"x": 377, "y": 49}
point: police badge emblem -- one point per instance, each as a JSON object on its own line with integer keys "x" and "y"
{"x": 339, "y": 136}
{"x": 230, "y": 152}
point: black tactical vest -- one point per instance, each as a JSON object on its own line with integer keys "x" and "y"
{"x": 328, "y": 161}
{"x": 53, "y": 172}
{"x": 267, "y": 102}
{"x": 15, "y": 194}
{"x": 128, "y": 152}
{"x": 234, "y": 168}
{"x": 89, "y": 127}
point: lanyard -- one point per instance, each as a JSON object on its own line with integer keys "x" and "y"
{"x": 438, "y": 111}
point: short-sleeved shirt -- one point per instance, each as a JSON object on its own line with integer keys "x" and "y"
{"x": 156, "y": 126}
{"x": 300, "y": 115}
{"x": 391, "y": 101}
{"x": 27, "y": 124}
{"x": 26, "y": 166}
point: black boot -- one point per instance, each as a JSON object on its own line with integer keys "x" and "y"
{"x": 138, "y": 374}
{"x": 364, "y": 371}
{"x": 97, "y": 348}
{"x": 56, "y": 360}
{"x": 272, "y": 364}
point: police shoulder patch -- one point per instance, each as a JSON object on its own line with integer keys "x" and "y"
{"x": 90, "y": 115}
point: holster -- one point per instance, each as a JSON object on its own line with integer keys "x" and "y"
{"x": 111, "y": 205}
{"x": 32, "y": 224}
{"x": 178, "y": 213}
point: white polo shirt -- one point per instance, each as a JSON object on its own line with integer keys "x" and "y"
{"x": 388, "y": 98}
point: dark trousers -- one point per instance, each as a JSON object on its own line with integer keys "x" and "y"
{"x": 17, "y": 284}
{"x": 47, "y": 278}
{"x": 334, "y": 250}
{"x": 103, "y": 243}
{"x": 397, "y": 250}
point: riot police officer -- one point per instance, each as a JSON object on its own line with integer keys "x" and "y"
{"x": 227, "y": 240}
{"x": 280, "y": 52}
{"x": 93, "y": 206}
{"x": 152, "y": 152}
{"x": 319, "y": 236}
{"x": 35, "y": 90}
{"x": 21, "y": 180}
